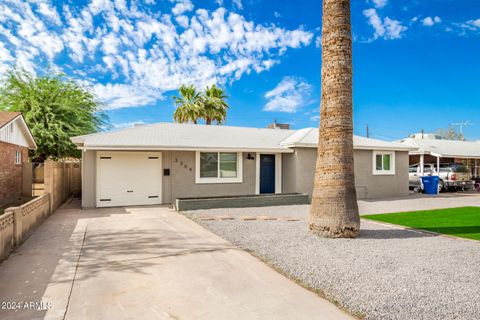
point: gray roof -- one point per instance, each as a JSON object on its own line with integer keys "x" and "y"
{"x": 172, "y": 136}
{"x": 444, "y": 148}
{"x": 308, "y": 137}
{"x": 187, "y": 137}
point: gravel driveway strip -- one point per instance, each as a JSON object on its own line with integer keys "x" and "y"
{"x": 387, "y": 273}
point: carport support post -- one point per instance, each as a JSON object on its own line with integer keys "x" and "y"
{"x": 476, "y": 169}
{"x": 438, "y": 166}
{"x": 422, "y": 162}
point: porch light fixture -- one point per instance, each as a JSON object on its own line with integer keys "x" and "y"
{"x": 250, "y": 157}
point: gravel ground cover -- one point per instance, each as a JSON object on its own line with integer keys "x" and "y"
{"x": 387, "y": 273}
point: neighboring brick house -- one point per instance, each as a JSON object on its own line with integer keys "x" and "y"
{"x": 15, "y": 141}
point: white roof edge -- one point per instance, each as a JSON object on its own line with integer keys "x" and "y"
{"x": 28, "y": 132}
{"x": 392, "y": 148}
{"x": 157, "y": 148}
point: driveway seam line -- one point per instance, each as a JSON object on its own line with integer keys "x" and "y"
{"x": 75, "y": 273}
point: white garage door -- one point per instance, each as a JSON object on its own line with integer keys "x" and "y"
{"x": 129, "y": 178}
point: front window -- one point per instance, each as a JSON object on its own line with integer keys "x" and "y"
{"x": 18, "y": 157}
{"x": 383, "y": 163}
{"x": 228, "y": 165}
{"x": 218, "y": 167}
{"x": 208, "y": 165}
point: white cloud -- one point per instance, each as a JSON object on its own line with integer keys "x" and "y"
{"x": 142, "y": 53}
{"x": 49, "y": 43}
{"x": 429, "y": 21}
{"x": 288, "y": 96}
{"x": 49, "y": 12}
{"x": 238, "y": 4}
{"x": 475, "y": 23}
{"x": 122, "y": 96}
{"x": 182, "y": 21}
{"x": 182, "y": 7}
{"x": 110, "y": 44}
{"x": 380, "y": 3}
{"x": 470, "y": 25}
{"x": 126, "y": 125}
{"x": 465, "y": 28}
{"x": 387, "y": 28}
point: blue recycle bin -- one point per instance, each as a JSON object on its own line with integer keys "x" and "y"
{"x": 430, "y": 184}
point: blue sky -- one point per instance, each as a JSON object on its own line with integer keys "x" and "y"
{"x": 416, "y": 63}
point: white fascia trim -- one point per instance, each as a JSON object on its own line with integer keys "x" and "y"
{"x": 150, "y": 148}
{"x": 27, "y": 131}
{"x": 304, "y": 145}
{"x": 384, "y": 148}
{"x": 200, "y": 180}
{"x": 376, "y": 172}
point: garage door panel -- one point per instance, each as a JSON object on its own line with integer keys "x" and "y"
{"x": 128, "y": 178}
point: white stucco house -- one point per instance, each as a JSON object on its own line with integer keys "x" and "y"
{"x": 158, "y": 163}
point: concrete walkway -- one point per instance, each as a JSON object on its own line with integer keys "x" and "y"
{"x": 145, "y": 263}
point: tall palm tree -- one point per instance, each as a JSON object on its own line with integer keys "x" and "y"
{"x": 214, "y": 105}
{"x": 189, "y": 105}
{"x": 334, "y": 209}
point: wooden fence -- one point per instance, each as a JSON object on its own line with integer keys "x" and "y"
{"x": 62, "y": 180}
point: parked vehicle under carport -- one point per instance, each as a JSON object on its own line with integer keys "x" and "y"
{"x": 452, "y": 176}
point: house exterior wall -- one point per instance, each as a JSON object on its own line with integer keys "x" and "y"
{"x": 381, "y": 186}
{"x": 289, "y": 165}
{"x": 181, "y": 183}
{"x": 89, "y": 179}
{"x": 300, "y": 172}
{"x": 11, "y": 174}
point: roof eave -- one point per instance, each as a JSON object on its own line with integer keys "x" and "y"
{"x": 357, "y": 147}
{"x": 169, "y": 148}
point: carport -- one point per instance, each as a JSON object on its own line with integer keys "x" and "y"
{"x": 441, "y": 151}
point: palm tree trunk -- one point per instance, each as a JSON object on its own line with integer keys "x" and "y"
{"x": 208, "y": 121}
{"x": 334, "y": 208}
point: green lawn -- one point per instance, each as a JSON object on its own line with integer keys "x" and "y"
{"x": 460, "y": 222}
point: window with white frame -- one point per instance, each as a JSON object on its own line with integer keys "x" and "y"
{"x": 383, "y": 163}
{"x": 218, "y": 167}
{"x": 18, "y": 157}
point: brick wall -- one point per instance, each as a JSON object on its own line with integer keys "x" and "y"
{"x": 10, "y": 173}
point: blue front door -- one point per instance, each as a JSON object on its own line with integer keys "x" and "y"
{"x": 267, "y": 173}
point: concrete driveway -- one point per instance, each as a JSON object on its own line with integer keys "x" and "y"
{"x": 144, "y": 263}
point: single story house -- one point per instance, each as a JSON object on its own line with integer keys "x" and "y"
{"x": 158, "y": 163}
{"x": 15, "y": 141}
{"x": 429, "y": 148}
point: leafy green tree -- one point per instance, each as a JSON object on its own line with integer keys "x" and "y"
{"x": 192, "y": 106}
{"x": 55, "y": 109}
{"x": 214, "y": 105}
{"x": 188, "y": 105}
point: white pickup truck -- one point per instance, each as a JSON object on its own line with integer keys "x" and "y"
{"x": 452, "y": 176}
